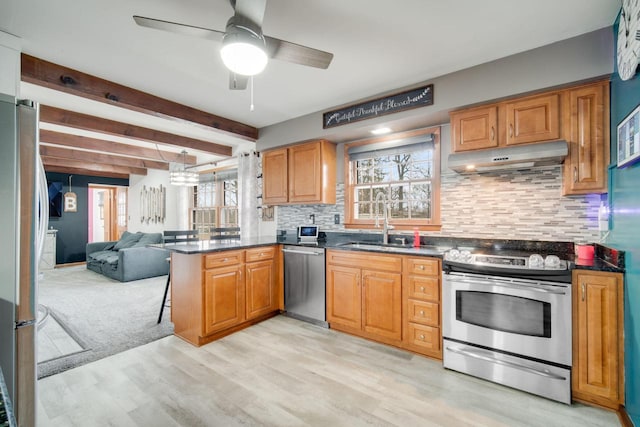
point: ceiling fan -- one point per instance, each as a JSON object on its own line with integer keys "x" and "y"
{"x": 245, "y": 50}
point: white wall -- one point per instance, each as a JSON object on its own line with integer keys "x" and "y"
{"x": 174, "y": 211}
{"x": 9, "y": 64}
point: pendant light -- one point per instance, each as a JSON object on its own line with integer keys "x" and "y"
{"x": 182, "y": 176}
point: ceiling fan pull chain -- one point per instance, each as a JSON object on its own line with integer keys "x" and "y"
{"x": 251, "y": 84}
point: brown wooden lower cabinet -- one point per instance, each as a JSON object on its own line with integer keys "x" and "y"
{"x": 364, "y": 294}
{"x": 261, "y": 296}
{"x": 598, "y": 349}
{"x": 214, "y": 294}
{"x": 223, "y": 298}
{"x": 387, "y": 298}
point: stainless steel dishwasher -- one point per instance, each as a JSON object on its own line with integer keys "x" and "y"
{"x": 304, "y": 285}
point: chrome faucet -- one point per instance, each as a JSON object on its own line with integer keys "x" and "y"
{"x": 385, "y": 222}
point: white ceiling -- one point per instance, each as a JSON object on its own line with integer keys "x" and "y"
{"x": 378, "y": 46}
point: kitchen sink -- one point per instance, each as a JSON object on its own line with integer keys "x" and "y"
{"x": 381, "y": 247}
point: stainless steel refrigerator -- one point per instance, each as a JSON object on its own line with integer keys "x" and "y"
{"x": 23, "y": 223}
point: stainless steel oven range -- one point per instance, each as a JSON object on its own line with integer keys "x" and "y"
{"x": 507, "y": 319}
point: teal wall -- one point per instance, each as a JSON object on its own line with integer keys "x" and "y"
{"x": 624, "y": 196}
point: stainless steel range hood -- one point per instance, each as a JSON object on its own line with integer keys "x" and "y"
{"x": 515, "y": 157}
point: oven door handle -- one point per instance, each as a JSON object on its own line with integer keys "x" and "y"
{"x": 510, "y": 285}
{"x": 475, "y": 355}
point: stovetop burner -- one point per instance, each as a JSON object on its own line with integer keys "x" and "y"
{"x": 515, "y": 262}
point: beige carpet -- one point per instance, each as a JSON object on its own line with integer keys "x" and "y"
{"x": 103, "y": 316}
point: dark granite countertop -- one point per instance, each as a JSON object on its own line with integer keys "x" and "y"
{"x": 207, "y": 246}
{"x": 606, "y": 259}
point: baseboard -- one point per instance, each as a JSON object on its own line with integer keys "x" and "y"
{"x": 623, "y": 415}
{"x": 71, "y": 264}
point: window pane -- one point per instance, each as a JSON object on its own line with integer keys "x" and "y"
{"x": 421, "y": 191}
{"x": 399, "y": 210}
{"x": 421, "y": 170}
{"x": 364, "y": 211}
{"x": 363, "y": 195}
{"x": 420, "y": 209}
{"x": 400, "y": 192}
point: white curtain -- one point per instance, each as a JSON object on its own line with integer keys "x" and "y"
{"x": 248, "y": 194}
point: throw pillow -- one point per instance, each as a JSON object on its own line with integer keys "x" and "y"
{"x": 127, "y": 240}
{"x": 148, "y": 239}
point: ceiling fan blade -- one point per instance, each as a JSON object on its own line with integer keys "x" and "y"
{"x": 174, "y": 27}
{"x": 252, "y": 10}
{"x": 237, "y": 81}
{"x": 297, "y": 54}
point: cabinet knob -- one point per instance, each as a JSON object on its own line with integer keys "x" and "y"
{"x": 493, "y": 133}
{"x": 575, "y": 174}
{"x": 583, "y": 291}
{"x": 510, "y": 129}
{"x": 421, "y": 312}
{"x": 421, "y": 267}
{"x": 421, "y": 288}
{"x": 422, "y": 337}
{"x": 225, "y": 260}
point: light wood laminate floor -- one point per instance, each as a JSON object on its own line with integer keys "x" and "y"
{"x": 283, "y": 372}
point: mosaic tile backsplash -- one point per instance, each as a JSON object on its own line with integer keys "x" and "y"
{"x": 523, "y": 204}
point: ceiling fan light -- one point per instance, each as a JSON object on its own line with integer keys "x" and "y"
{"x": 244, "y": 58}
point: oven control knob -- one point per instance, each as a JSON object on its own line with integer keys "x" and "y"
{"x": 536, "y": 261}
{"x": 552, "y": 261}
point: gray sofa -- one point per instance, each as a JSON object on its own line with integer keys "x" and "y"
{"x": 128, "y": 258}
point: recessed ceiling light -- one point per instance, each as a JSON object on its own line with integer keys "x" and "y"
{"x": 470, "y": 167}
{"x": 380, "y": 131}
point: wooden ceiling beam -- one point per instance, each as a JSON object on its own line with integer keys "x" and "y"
{"x": 77, "y": 171}
{"x": 72, "y": 119}
{"x": 92, "y": 157}
{"x": 96, "y": 167}
{"x": 53, "y": 76}
{"x": 87, "y": 143}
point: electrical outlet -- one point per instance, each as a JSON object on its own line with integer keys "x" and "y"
{"x": 336, "y": 219}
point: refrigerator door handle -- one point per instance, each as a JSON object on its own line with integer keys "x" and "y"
{"x": 25, "y": 323}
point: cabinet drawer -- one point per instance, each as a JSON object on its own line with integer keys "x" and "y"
{"x": 368, "y": 260}
{"x": 424, "y": 337}
{"x": 424, "y": 288}
{"x": 222, "y": 259}
{"x": 260, "y": 254}
{"x": 425, "y": 313}
{"x": 423, "y": 266}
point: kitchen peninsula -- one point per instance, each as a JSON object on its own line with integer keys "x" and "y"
{"x": 218, "y": 288}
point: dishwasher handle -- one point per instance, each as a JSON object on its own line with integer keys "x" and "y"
{"x": 293, "y": 251}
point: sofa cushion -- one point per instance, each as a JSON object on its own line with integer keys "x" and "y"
{"x": 127, "y": 240}
{"x": 112, "y": 259}
{"x": 148, "y": 239}
{"x": 101, "y": 255}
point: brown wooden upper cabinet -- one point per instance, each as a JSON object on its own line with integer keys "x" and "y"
{"x": 533, "y": 119}
{"x": 578, "y": 115}
{"x": 303, "y": 173}
{"x": 586, "y": 129}
{"x": 474, "y": 129}
{"x": 520, "y": 121}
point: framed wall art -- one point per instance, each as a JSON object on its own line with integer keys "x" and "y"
{"x": 629, "y": 139}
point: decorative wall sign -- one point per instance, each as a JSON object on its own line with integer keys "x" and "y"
{"x": 70, "y": 199}
{"x": 413, "y": 98}
{"x": 629, "y": 139}
{"x": 153, "y": 204}
{"x": 70, "y": 202}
